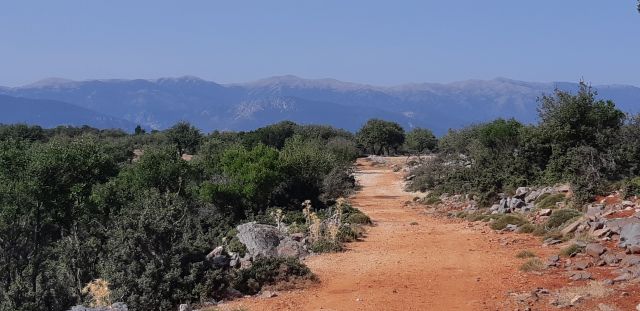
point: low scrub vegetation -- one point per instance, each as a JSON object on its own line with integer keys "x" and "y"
{"x": 271, "y": 271}
{"x": 571, "y": 250}
{"x": 580, "y": 140}
{"x": 560, "y": 217}
{"x": 508, "y": 219}
{"x": 549, "y": 200}
{"x": 532, "y": 265}
{"x": 128, "y": 209}
{"x": 526, "y": 254}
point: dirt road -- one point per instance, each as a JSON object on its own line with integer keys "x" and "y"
{"x": 408, "y": 261}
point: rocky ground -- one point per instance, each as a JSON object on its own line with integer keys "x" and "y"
{"x": 417, "y": 258}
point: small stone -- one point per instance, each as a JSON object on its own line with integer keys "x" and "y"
{"x": 215, "y": 252}
{"x": 580, "y": 276}
{"x": 576, "y": 300}
{"x": 268, "y": 294}
{"x": 581, "y": 265}
{"x": 595, "y": 250}
{"x": 545, "y": 212}
{"x": 184, "y": 307}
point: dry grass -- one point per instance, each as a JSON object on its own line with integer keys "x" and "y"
{"x": 532, "y": 265}
{"x": 571, "y": 250}
{"x": 589, "y": 291}
{"x": 526, "y": 254}
{"x": 98, "y": 292}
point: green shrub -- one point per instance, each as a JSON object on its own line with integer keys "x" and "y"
{"x": 508, "y": 219}
{"x": 353, "y": 215}
{"x": 560, "y": 217}
{"x": 270, "y": 271}
{"x": 549, "y": 200}
{"x": 527, "y": 228}
{"x": 431, "y": 200}
{"x": 326, "y": 246}
{"x": 553, "y": 234}
{"x": 631, "y": 187}
{"x": 525, "y": 254}
{"x": 476, "y": 217}
{"x": 531, "y": 265}
{"x": 571, "y": 250}
{"x": 347, "y": 233}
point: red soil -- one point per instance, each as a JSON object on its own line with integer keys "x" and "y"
{"x": 436, "y": 264}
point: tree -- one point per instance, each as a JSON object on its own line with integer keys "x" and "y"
{"x": 185, "y": 137}
{"x": 139, "y": 130}
{"x": 572, "y": 121}
{"x": 421, "y": 140}
{"x": 378, "y": 136}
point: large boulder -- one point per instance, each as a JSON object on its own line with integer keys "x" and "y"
{"x": 630, "y": 236}
{"x": 260, "y": 240}
{"x": 616, "y": 224}
{"x": 522, "y": 192}
{"x": 268, "y": 241}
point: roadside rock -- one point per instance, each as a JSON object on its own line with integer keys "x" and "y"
{"x": 545, "y": 212}
{"x": 617, "y": 224}
{"x": 268, "y": 241}
{"x": 260, "y": 240}
{"x": 611, "y": 259}
{"x": 630, "y": 235}
{"x": 289, "y": 247}
{"x": 580, "y": 276}
{"x": 215, "y": 252}
{"x": 572, "y": 227}
{"x": 595, "y": 250}
{"x": 630, "y": 260}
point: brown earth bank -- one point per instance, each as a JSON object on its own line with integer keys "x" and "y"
{"x": 410, "y": 260}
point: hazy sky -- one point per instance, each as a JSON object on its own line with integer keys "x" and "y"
{"x": 376, "y": 42}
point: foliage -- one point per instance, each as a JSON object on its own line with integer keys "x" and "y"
{"x": 561, "y": 216}
{"x": 526, "y": 254}
{"x": 508, "y": 219}
{"x": 77, "y": 206}
{"x": 549, "y": 200}
{"x": 185, "y": 137}
{"x": 268, "y": 271}
{"x": 571, "y": 250}
{"x": 325, "y": 245}
{"x": 579, "y": 140}
{"x": 533, "y": 264}
{"x": 378, "y": 136}
{"x": 421, "y": 140}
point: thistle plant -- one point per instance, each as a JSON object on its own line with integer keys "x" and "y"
{"x": 99, "y": 293}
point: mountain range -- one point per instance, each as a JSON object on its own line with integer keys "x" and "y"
{"x": 160, "y": 103}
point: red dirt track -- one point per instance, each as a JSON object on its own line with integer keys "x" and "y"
{"x": 436, "y": 264}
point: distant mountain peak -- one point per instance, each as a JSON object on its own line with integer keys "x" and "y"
{"x": 49, "y": 82}
{"x": 183, "y": 79}
{"x": 292, "y": 81}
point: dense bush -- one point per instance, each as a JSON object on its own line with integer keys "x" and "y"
{"x": 77, "y": 204}
{"x": 269, "y": 271}
{"x": 561, "y": 216}
{"x": 579, "y": 140}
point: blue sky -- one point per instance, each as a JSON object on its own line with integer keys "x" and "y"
{"x": 376, "y": 42}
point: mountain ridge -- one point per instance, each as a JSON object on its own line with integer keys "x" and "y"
{"x": 159, "y": 103}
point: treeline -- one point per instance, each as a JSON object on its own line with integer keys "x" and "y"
{"x": 579, "y": 140}
{"x": 78, "y": 204}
